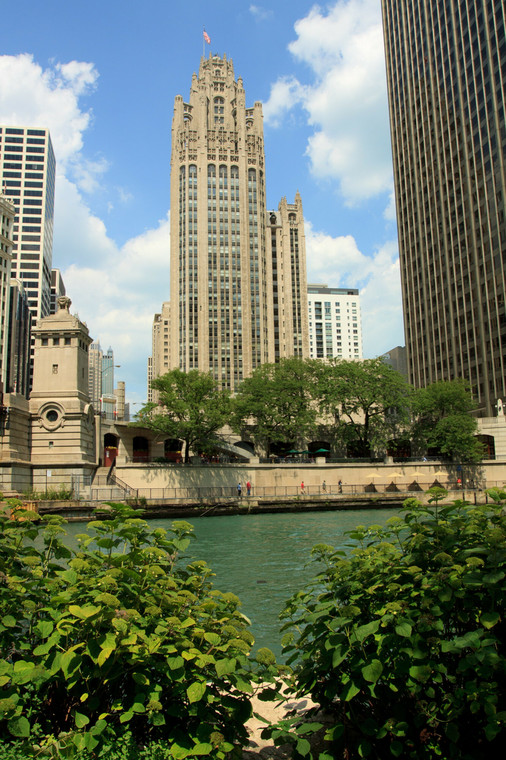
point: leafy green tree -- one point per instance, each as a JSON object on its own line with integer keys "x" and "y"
{"x": 367, "y": 403}
{"x": 401, "y": 637}
{"x": 442, "y": 420}
{"x": 276, "y": 401}
{"x": 118, "y": 644}
{"x": 190, "y": 407}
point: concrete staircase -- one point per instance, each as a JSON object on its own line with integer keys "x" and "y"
{"x": 101, "y": 490}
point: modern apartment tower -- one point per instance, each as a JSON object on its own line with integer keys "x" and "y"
{"x": 238, "y": 272}
{"x": 335, "y": 324}
{"x": 27, "y": 177}
{"x": 446, "y": 72}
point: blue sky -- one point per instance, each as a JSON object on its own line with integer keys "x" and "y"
{"x": 102, "y": 76}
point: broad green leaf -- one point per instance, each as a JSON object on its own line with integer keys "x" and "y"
{"x": 81, "y": 719}
{"x": 90, "y": 742}
{"x": 403, "y": 629}
{"x": 225, "y": 666}
{"x": 45, "y": 628}
{"x": 108, "y": 599}
{"x": 9, "y": 621}
{"x": 303, "y": 747}
{"x": 68, "y": 575}
{"x": 175, "y": 663}
{"x": 196, "y": 691}
{"x": 420, "y": 672}
{"x": 338, "y": 655}
{"x": 69, "y": 662}
{"x": 202, "y": 748}
{"x": 19, "y": 727}
{"x": 83, "y": 612}
{"x": 105, "y": 654}
{"x": 21, "y": 666}
{"x": 372, "y": 671}
{"x": 212, "y": 638}
{"x": 243, "y": 685}
{"x": 489, "y": 619}
{"x": 363, "y": 631}
{"x": 350, "y": 692}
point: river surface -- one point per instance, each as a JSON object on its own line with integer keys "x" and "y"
{"x": 264, "y": 558}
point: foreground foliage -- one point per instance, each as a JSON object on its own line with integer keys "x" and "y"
{"x": 119, "y": 646}
{"x": 402, "y": 637}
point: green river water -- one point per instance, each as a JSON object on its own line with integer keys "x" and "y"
{"x": 264, "y": 558}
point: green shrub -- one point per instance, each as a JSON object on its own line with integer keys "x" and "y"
{"x": 401, "y": 638}
{"x": 118, "y": 646}
{"x": 62, "y": 493}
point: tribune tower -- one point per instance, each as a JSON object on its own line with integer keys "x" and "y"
{"x": 238, "y": 272}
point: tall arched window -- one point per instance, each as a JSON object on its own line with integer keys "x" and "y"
{"x": 219, "y": 110}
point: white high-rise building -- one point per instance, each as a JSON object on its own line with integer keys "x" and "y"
{"x": 335, "y": 323}
{"x": 27, "y": 178}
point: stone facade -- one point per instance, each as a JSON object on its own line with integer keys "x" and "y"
{"x": 238, "y": 272}
{"x": 62, "y": 418}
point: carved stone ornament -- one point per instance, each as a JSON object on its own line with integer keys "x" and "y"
{"x": 51, "y": 416}
{"x": 64, "y": 303}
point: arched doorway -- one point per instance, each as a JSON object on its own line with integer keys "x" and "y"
{"x": 488, "y": 442}
{"x": 172, "y": 449}
{"x": 110, "y": 448}
{"x": 140, "y": 449}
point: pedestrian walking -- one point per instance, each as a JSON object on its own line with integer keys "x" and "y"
{"x": 302, "y": 488}
{"x": 324, "y": 486}
{"x": 340, "y": 484}
{"x": 248, "y": 488}
{"x": 239, "y": 490}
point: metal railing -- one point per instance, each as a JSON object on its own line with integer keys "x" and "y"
{"x": 332, "y": 491}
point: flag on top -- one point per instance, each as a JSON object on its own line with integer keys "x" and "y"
{"x": 207, "y": 37}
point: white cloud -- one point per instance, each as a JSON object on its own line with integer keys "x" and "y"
{"x": 259, "y": 13}
{"x": 48, "y": 98}
{"x": 114, "y": 290}
{"x": 345, "y": 101}
{"x": 338, "y": 262}
{"x": 118, "y": 295}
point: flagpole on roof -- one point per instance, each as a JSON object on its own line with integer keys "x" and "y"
{"x": 205, "y": 38}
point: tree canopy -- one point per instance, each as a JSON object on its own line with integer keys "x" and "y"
{"x": 442, "y": 420}
{"x": 277, "y": 401}
{"x": 190, "y": 407}
{"x": 366, "y": 403}
{"x": 360, "y": 407}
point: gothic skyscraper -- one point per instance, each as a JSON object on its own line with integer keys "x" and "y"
{"x": 446, "y": 71}
{"x": 238, "y": 271}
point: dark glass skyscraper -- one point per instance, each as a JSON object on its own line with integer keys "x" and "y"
{"x": 446, "y": 72}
